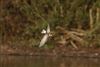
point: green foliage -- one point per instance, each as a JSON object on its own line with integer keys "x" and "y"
{"x": 97, "y": 4}
{"x": 31, "y": 16}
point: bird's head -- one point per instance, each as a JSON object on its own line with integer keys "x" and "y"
{"x": 43, "y": 31}
{"x": 48, "y": 31}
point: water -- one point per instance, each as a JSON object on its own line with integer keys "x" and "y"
{"x": 31, "y": 61}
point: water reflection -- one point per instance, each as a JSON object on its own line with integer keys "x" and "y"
{"x": 29, "y": 61}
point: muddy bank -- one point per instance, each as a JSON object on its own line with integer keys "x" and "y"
{"x": 57, "y": 51}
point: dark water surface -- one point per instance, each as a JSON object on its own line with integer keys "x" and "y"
{"x": 31, "y": 61}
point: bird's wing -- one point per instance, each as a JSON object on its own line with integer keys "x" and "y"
{"x": 44, "y": 40}
{"x": 48, "y": 29}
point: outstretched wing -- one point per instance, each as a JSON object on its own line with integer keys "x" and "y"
{"x": 48, "y": 29}
{"x": 44, "y": 40}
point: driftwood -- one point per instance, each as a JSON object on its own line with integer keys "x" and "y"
{"x": 71, "y": 36}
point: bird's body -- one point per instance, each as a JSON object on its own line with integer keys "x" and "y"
{"x": 45, "y": 37}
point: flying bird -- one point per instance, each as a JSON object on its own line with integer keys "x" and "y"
{"x": 45, "y": 37}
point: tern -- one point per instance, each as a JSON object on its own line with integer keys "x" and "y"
{"x": 45, "y": 37}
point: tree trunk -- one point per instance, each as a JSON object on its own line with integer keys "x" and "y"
{"x": 91, "y": 19}
{"x": 97, "y": 15}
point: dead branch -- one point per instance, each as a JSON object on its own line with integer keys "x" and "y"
{"x": 71, "y": 36}
{"x": 73, "y": 44}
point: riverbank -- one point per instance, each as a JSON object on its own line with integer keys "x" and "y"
{"x": 57, "y": 51}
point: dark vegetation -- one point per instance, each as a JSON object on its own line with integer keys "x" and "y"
{"x": 75, "y": 23}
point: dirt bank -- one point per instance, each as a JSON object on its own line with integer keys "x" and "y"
{"x": 57, "y": 51}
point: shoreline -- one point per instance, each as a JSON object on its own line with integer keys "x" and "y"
{"x": 35, "y": 51}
